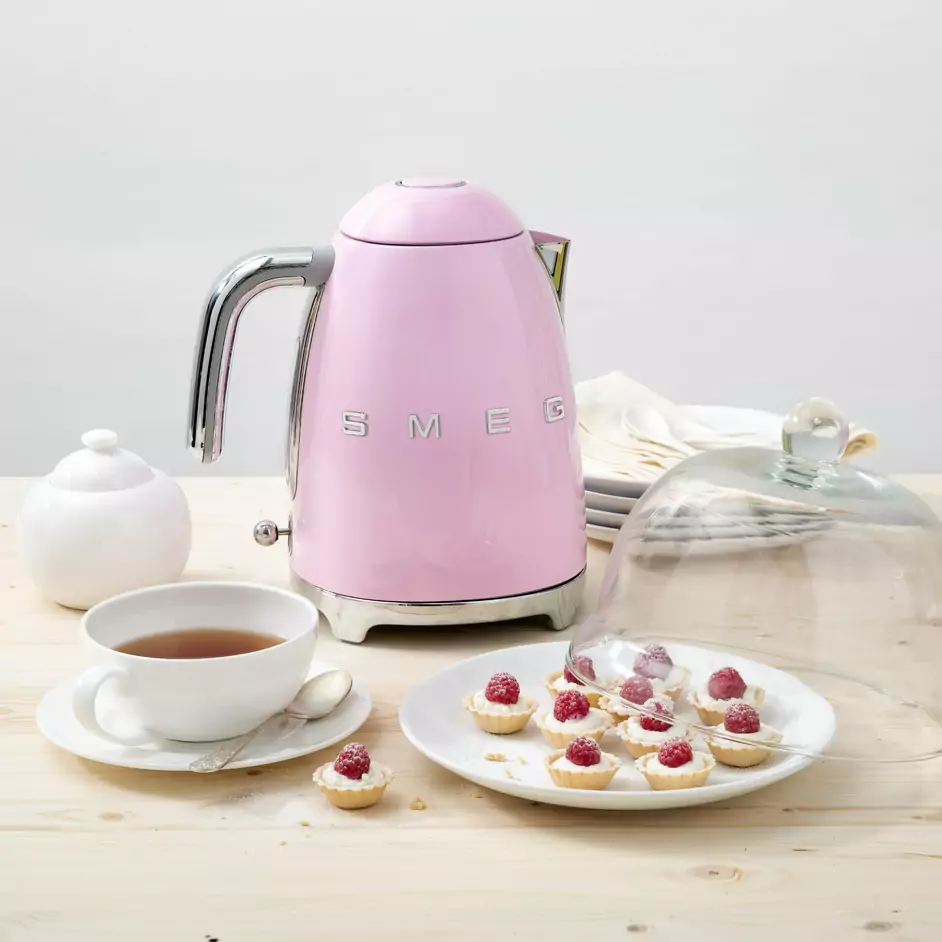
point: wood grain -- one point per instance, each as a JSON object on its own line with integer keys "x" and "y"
{"x": 90, "y": 852}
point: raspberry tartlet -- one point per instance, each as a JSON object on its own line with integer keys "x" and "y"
{"x": 642, "y": 734}
{"x": 572, "y": 717}
{"x": 582, "y": 764}
{"x": 500, "y": 708}
{"x": 635, "y": 691}
{"x": 675, "y": 765}
{"x": 565, "y": 679}
{"x": 711, "y": 699}
{"x": 353, "y": 780}
{"x": 747, "y": 750}
{"x": 667, "y": 678}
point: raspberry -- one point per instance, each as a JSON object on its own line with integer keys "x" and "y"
{"x": 741, "y": 718}
{"x": 353, "y": 761}
{"x": 726, "y": 684}
{"x": 637, "y": 689}
{"x": 653, "y": 725}
{"x": 584, "y": 751}
{"x": 570, "y": 705}
{"x": 654, "y": 661}
{"x": 675, "y": 752}
{"x": 502, "y": 688}
{"x": 585, "y": 667}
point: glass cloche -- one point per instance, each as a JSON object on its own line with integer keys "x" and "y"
{"x": 797, "y": 583}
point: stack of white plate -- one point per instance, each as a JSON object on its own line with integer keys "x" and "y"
{"x": 608, "y": 501}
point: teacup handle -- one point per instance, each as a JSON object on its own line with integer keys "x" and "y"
{"x": 84, "y": 695}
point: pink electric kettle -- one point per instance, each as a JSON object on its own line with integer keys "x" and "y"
{"x": 433, "y": 461}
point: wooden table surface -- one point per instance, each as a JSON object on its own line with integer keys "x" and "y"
{"x": 91, "y": 852}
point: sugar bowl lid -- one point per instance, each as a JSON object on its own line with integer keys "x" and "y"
{"x": 788, "y": 579}
{"x": 100, "y": 466}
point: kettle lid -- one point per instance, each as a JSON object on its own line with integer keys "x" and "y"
{"x": 430, "y": 211}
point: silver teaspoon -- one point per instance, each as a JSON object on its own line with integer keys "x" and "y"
{"x": 318, "y": 697}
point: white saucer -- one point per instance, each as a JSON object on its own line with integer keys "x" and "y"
{"x": 604, "y": 518}
{"x": 58, "y": 724}
{"x": 602, "y": 534}
{"x": 436, "y": 723}
{"x": 610, "y": 502}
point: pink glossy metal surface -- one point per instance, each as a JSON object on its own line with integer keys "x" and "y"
{"x": 457, "y": 330}
{"x": 430, "y": 211}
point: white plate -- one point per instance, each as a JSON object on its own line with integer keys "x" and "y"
{"x": 602, "y": 518}
{"x": 735, "y": 421}
{"x": 610, "y": 502}
{"x": 753, "y": 426}
{"x": 613, "y": 484}
{"x": 602, "y": 534}
{"x": 435, "y": 722}
{"x": 58, "y": 724}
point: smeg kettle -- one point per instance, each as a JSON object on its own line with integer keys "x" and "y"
{"x": 433, "y": 463}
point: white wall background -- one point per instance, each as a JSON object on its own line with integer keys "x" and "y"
{"x": 752, "y": 187}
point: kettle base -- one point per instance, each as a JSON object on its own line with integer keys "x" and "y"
{"x": 351, "y": 618}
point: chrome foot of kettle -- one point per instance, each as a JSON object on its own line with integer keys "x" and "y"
{"x": 351, "y": 618}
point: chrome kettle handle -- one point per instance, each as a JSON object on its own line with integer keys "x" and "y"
{"x": 232, "y": 292}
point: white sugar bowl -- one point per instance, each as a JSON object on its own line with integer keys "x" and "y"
{"x": 102, "y": 523}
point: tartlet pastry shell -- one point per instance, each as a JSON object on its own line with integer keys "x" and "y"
{"x": 593, "y": 778}
{"x": 740, "y": 757}
{"x": 711, "y": 717}
{"x": 663, "y": 782}
{"x": 591, "y": 695}
{"x": 636, "y": 748}
{"x": 559, "y": 739}
{"x": 678, "y": 688}
{"x": 351, "y": 799}
{"x": 500, "y": 724}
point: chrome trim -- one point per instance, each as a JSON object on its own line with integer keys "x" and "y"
{"x": 232, "y": 292}
{"x": 351, "y": 618}
{"x": 553, "y": 252}
{"x": 267, "y": 532}
{"x": 305, "y": 339}
{"x": 432, "y": 186}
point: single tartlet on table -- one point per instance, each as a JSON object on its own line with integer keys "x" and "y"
{"x": 644, "y": 732}
{"x": 711, "y": 699}
{"x": 565, "y": 679}
{"x": 675, "y": 765}
{"x": 748, "y": 749}
{"x": 571, "y": 717}
{"x": 582, "y": 764}
{"x": 353, "y": 780}
{"x": 500, "y": 708}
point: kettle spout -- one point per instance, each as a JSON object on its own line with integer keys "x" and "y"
{"x": 554, "y": 254}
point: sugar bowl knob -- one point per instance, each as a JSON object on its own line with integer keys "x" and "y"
{"x": 267, "y": 532}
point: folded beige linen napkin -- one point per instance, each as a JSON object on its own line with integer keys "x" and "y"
{"x": 628, "y": 430}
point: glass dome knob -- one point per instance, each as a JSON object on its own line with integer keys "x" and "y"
{"x": 816, "y": 431}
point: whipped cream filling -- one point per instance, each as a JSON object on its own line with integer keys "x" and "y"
{"x": 594, "y": 719}
{"x": 560, "y": 684}
{"x": 482, "y": 705}
{"x": 564, "y": 764}
{"x": 765, "y": 734}
{"x": 332, "y": 778}
{"x": 752, "y": 695}
{"x": 698, "y": 763}
{"x": 614, "y": 703}
{"x": 676, "y": 678}
{"x": 634, "y": 730}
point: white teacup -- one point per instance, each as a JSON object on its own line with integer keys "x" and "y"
{"x": 199, "y": 699}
